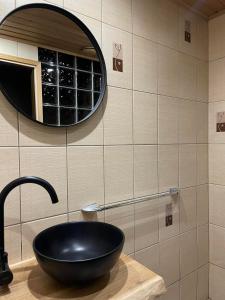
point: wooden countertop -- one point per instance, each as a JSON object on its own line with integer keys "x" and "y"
{"x": 127, "y": 280}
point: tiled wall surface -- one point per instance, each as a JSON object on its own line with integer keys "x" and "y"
{"x": 216, "y": 158}
{"x": 150, "y": 134}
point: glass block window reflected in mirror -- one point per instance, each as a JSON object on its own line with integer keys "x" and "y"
{"x": 71, "y": 87}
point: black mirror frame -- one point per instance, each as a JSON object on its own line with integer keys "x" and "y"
{"x": 94, "y": 42}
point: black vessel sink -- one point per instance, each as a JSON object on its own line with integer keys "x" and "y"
{"x": 78, "y": 251}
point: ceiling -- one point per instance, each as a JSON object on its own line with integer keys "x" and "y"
{"x": 206, "y": 7}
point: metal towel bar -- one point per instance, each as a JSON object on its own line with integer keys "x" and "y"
{"x": 96, "y": 207}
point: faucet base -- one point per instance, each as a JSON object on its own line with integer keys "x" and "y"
{"x": 6, "y": 275}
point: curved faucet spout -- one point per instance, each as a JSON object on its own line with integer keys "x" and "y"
{"x": 5, "y": 273}
{"x": 28, "y": 179}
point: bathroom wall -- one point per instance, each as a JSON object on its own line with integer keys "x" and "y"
{"x": 150, "y": 134}
{"x": 217, "y": 156}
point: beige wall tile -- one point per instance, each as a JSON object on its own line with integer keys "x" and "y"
{"x": 86, "y": 7}
{"x": 187, "y": 121}
{"x": 112, "y": 35}
{"x": 211, "y": 124}
{"x": 218, "y": 160}
{"x": 217, "y": 77}
{"x": 168, "y": 72}
{"x": 149, "y": 257}
{"x": 213, "y": 83}
{"x": 188, "y": 209}
{"x": 168, "y": 23}
{"x": 187, "y": 165}
{"x": 211, "y": 88}
{"x": 118, "y": 13}
{"x": 188, "y": 287}
{"x": 80, "y": 216}
{"x": 13, "y": 243}
{"x": 146, "y": 225}
{"x": 144, "y": 118}
{"x": 167, "y": 167}
{"x": 217, "y": 205}
{"x": 27, "y": 51}
{"x": 202, "y": 204}
{"x": 34, "y": 134}
{"x": 167, "y": 120}
{"x": 23, "y": 2}
{"x": 9, "y": 124}
{"x": 145, "y": 18}
{"x": 144, "y": 65}
{"x": 202, "y": 164}
{"x": 202, "y": 122}
{"x": 211, "y": 164}
{"x": 169, "y": 255}
{"x": 202, "y": 81}
{"x": 213, "y": 210}
{"x": 123, "y": 218}
{"x": 187, "y": 76}
{"x": 89, "y": 132}
{"x": 203, "y": 283}
{"x": 9, "y": 161}
{"x": 203, "y": 244}
{"x": 118, "y": 117}
{"x": 217, "y": 282}
{"x": 217, "y": 243}
{"x": 118, "y": 162}
{"x": 85, "y": 176}
{"x": 202, "y": 38}
{"x": 173, "y": 292}
{"x": 31, "y": 229}
{"x": 188, "y": 253}
{"x": 49, "y": 164}
{"x": 166, "y": 232}
{"x": 216, "y": 37}
{"x": 145, "y": 170}
{"x": 56, "y": 2}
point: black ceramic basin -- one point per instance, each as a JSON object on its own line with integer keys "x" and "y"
{"x": 78, "y": 251}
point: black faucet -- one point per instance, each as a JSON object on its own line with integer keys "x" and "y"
{"x": 6, "y": 275}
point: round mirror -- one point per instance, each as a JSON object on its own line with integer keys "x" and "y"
{"x": 66, "y": 82}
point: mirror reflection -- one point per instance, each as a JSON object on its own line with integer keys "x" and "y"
{"x": 65, "y": 84}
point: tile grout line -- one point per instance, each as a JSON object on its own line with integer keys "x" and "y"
{"x": 133, "y": 145}
{"x": 111, "y": 145}
{"x": 20, "y": 192}
{"x": 19, "y": 170}
{"x": 103, "y": 125}
{"x": 157, "y": 134}
{"x": 178, "y": 180}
